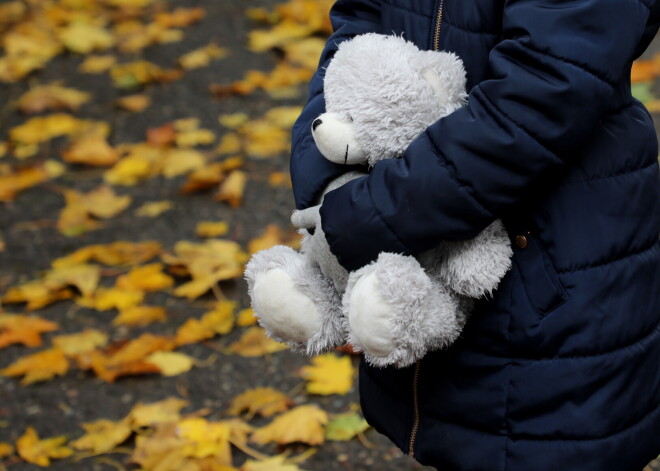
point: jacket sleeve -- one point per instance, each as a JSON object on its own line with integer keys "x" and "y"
{"x": 552, "y": 77}
{"x": 310, "y": 171}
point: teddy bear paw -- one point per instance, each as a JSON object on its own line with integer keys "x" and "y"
{"x": 396, "y": 313}
{"x": 293, "y": 301}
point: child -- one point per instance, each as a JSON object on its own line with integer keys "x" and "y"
{"x": 560, "y": 370}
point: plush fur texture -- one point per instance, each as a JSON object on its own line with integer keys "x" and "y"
{"x": 381, "y": 92}
{"x": 406, "y": 90}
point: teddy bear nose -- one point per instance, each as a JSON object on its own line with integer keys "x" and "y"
{"x": 317, "y": 122}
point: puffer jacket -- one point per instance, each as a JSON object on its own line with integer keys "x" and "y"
{"x": 560, "y": 369}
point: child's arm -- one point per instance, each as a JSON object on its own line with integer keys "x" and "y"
{"x": 310, "y": 171}
{"x": 552, "y": 77}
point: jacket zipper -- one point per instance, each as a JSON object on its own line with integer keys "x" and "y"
{"x": 415, "y": 427}
{"x": 438, "y": 24}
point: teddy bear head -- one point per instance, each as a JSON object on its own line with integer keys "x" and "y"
{"x": 381, "y": 92}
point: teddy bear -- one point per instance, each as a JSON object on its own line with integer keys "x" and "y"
{"x": 381, "y": 92}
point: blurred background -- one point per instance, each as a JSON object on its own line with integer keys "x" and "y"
{"x": 143, "y": 158}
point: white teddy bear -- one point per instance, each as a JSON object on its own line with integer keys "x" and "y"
{"x": 381, "y": 92}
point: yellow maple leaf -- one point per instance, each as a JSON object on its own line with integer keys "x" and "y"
{"x": 179, "y": 161}
{"x": 81, "y": 342}
{"x": 145, "y": 278}
{"x": 329, "y": 374}
{"x": 76, "y": 217}
{"x": 51, "y": 97}
{"x": 209, "y": 262}
{"x": 154, "y": 209}
{"x": 23, "y": 329}
{"x": 202, "y": 57}
{"x": 97, "y": 64}
{"x": 44, "y": 128}
{"x": 37, "y": 451}
{"x": 171, "y": 363}
{"x": 263, "y": 401}
{"x": 103, "y": 435}
{"x": 134, "y": 103}
{"x": 140, "y": 316}
{"x": 114, "y": 254}
{"x": 134, "y": 74}
{"x": 179, "y": 17}
{"x": 205, "y": 439}
{"x": 276, "y": 463}
{"x": 84, "y": 277}
{"x": 246, "y": 317}
{"x": 19, "y": 180}
{"x": 273, "y": 235}
{"x": 36, "y": 294}
{"x": 211, "y": 229}
{"x": 161, "y": 412}
{"x": 38, "y": 367}
{"x": 255, "y": 343}
{"x": 232, "y": 188}
{"x": 84, "y": 38}
{"x": 105, "y": 299}
{"x": 301, "y": 424}
{"x": 233, "y": 121}
{"x": 91, "y": 149}
{"x": 218, "y": 321}
{"x": 5, "y": 449}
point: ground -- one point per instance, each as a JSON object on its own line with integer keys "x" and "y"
{"x": 59, "y": 406}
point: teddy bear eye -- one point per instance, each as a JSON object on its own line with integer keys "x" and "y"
{"x": 350, "y": 118}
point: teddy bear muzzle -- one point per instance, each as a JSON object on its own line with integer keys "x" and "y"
{"x": 336, "y": 140}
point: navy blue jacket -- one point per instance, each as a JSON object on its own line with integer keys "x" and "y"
{"x": 560, "y": 370}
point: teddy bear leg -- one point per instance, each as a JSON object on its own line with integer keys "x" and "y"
{"x": 396, "y": 313}
{"x": 293, "y": 301}
{"x": 475, "y": 267}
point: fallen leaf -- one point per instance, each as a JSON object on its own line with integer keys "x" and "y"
{"x": 206, "y": 439}
{"x": 105, "y": 299}
{"x": 145, "y": 278}
{"x": 208, "y": 263}
{"x": 84, "y": 38}
{"x": 202, "y": 57}
{"x": 154, "y": 209}
{"x": 126, "y": 359}
{"x": 301, "y": 424}
{"x": 5, "y": 449}
{"x": 343, "y": 427}
{"x": 273, "y": 235}
{"x": 211, "y": 229}
{"x": 26, "y": 330}
{"x": 276, "y": 463}
{"x": 232, "y": 189}
{"x": 97, "y": 64}
{"x": 180, "y": 161}
{"x": 328, "y": 374}
{"x": 133, "y": 74}
{"x": 133, "y": 103}
{"x": 164, "y": 135}
{"x": 103, "y": 435}
{"x": 76, "y": 217}
{"x": 279, "y": 180}
{"x": 171, "y": 363}
{"x": 255, "y": 343}
{"x": 233, "y": 121}
{"x": 45, "y": 128}
{"x": 218, "y": 321}
{"x": 19, "y": 180}
{"x": 210, "y": 175}
{"x": 263, "y": 401}
{"x": 51, "y": 97}
{"x": 37, "y": 451}
{"x": 179, "y": 17}
{"x": 161, "y": 412}
{"x": 246, "y": 318}
{"x": 81, "y": 342}
{"x": 91, "y": 149}
{"x": 135, "y": 316}
{"x": 38, "y": 367}
{"x": 114, "y": 254}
